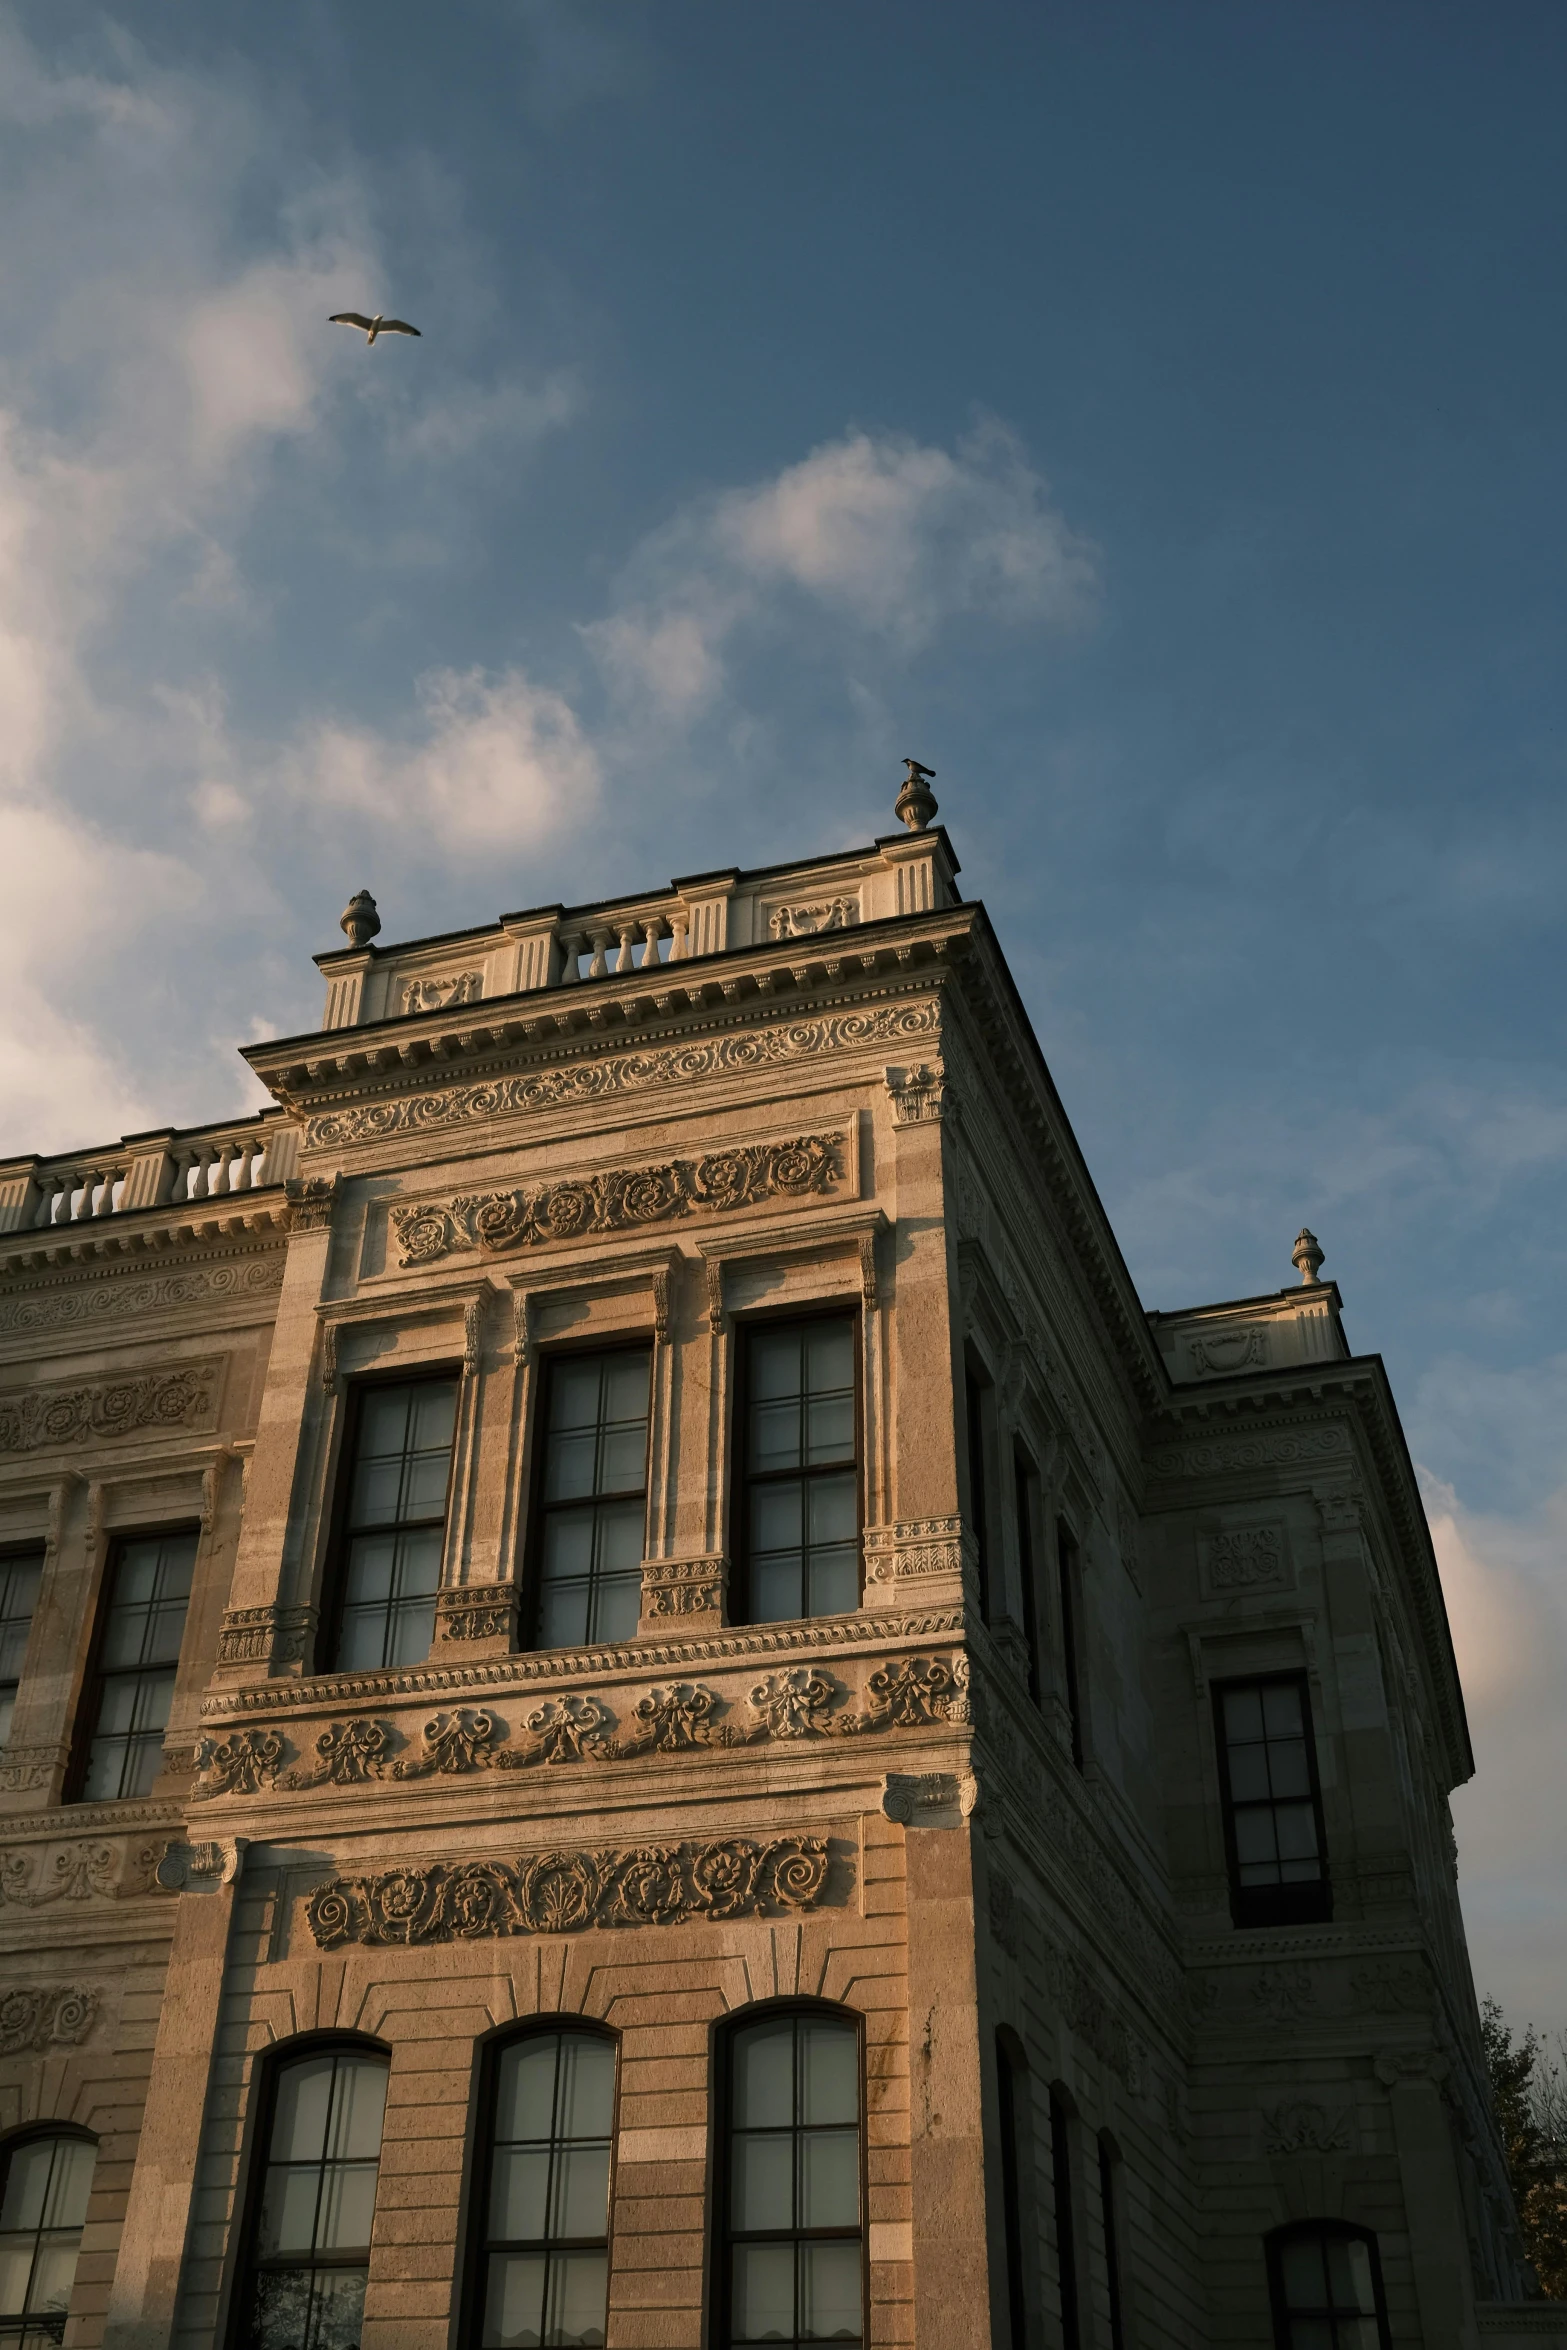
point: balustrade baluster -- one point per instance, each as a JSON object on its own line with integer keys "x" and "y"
{"x": 600, "y": 936}
{"x": 626, "y": 932}
{"x": 223, "y": 1172}
{"x": 679, "y": 931}
{"x": 652, "y": 932}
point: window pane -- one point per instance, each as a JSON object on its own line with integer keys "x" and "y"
{"x": 1281, "y": 1712}
{"x": 1304, "y": 2272}
{"x": 829, "y": 2072}
{"x": 833, "y": 1505}
{"x": 288, "y": 2208}
{"x": 434, "y": 1416}
{"x": 777, "y": 1589}
{"x": 762, "y": 2182}
{"x": 834, "y": 1587}
{"x": 563, "y": 1615}
{"x": 577, "y": 2299}
{"x": 581, "y": 2191}
{"x": 1242, "y": 1714}
{"x": 525, "y": 2088}
{"x": 764, "y": 2076}
{"x": 775, "y": 1435}
{"x": 347, "y": 2207}
{"x": 1249, "y": 1774}
{"x": 775, "y": 1366}
{"x": 830, "y": 2292}
{"x": 1349, "y": 2274}
{"x": 830, "y": 2179}
{"x": 1287, "y": 1770}
{"x": 47, "y": 2184}
{"x": 763, "y": 2299}
{"x": 514, "y": 2302}
{"x": 519, "y": 2194}
{"x": 777, "y": 1516}
{"x": 587, "y": 2087}
{"x": 829, "y": 1355}
{"x": 27, "y": 2183}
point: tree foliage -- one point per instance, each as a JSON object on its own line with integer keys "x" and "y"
{"x": 1529, "y": 2086}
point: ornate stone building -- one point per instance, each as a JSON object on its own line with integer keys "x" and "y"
{"x": 644, "y": 1704}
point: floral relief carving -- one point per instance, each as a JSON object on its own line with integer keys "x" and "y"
{"x": 265, "y": 1635}
{"x": 914, "y": 1691}
{"x": 242, "y": 1764}
{"x": 60, "y": 2017}
{"x": 48, "y": 1418}
{"x": 570, "y": 1892}
{"x": 352, "y": 1753}
{"x": 677, "y": 1717}
{"x": 795, "y": 1704}
{"x": 914, "y": 1546}
{"x": 1283, "y": 1995}
{"x": 1309, "y": 2129}
{"x": 1240, "y": 1558}
{"x": 82, "y": 1871}
{"x": 592, "y": 1080}
{"x": 1219, "y": 1351}
{"x": 1220, "y": 1454}
{"x": 439, "y": 995}
{"x": 809, "y": 921}
{"x": 476, "y": 1611}
{"x": 452, "y": 1742}
{"x": 621, "y": 1198}
{"x": 116, "y": 1299}
{"x": 568, "y": 1729}
{"x": 1389, "y": 1989}
{"x": 682, "y": 1587}
{"x": 918, "y": 1095}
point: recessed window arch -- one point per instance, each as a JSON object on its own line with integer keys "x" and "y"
{"x": 791, "y": 2195}
{"x": 538, "y": 2270}
{"x": 45, "y": 2180}
{"x": 1325, "y": 2279}
{"x": 312, "y": 2200}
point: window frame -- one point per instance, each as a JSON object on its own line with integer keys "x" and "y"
{"x": 1069, "y": 1610}
{"x": 334, "y": 1578}
{"x": 90, "y": 1694}
{"x": 474, "y": 2234}
{"x": 1015, "y": 2119}
{"x": 1346, "y": 2230}
{"x": 1064, "y": 2221}
{"x": 270, "y": 2066}
{"x": 721, "y": 2073}
{"x": 1112, "y": 2219}
{"x": 834, "y": 1309}
{"x": 1309, "y": 1902}
{"x": 21, "y": 1554}
{"x": 531, "y": 1582}
{"x": 30, "y": 2134}
{"x": 1028, "y": 1509}
{"x": 978, "y": 1404}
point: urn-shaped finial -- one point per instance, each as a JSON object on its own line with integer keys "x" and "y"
{"x": 360, "y": 919}
{"x": 1307, "y": 1254}
{"x": 916, "y": 803}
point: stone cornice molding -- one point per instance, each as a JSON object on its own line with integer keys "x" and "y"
{"x": 346, "y": 1692}
{"x": 831, "y": 1232}
{"x": 141, "y": 1232}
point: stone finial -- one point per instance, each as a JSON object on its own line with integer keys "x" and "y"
{"x": 1307, "y": 1254}
{"x": 360, "y": 919}
{"x": 916, "y": 803}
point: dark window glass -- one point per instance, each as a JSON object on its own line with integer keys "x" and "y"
{"x": 1109, "y": 2205}
{"x": 1027, "y": 1487}
{"x": 1272, "y": 1813}
{"x": 1327, "y": 2288}
{"x": 1071, "y": 1674}
{"x": 42, "y": 2207}
{"x": 310, "y": 2249}
{"x": 593, "y": 1498}
{"x": 792, "y": 2247}
{"x": 974, "y": 1403}
{"x": 138, "y": 1650}
{"x": 19, "y": 1579}
{"x": 1066, "y": 2231}
{"x": 802, "y": 1489}
{"x": 544, "y": 2256}
{"x": 395, "y": 1523}
{"x": 1012, "y": 2083}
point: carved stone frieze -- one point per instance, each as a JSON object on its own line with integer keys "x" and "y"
{"x": 776, "y": 1043}
{"x": 90, "y": 1868}
{"x": 1217, "y": 1456}
{"x": 476, "y": 1611}
{"x": 1244, "y": 1558}
{"x": 677, "y": 1717}
{"x": 41, "y": 1419}
{"x": 1392, "y": 1988}
{"x": 115, "y": 1297}
{"x": 918, "y": 1095}
{"x": 265, "y": 1635}
{"x": 1219, "y": 1351}
{"x": 59, "y": 2017}
{"x": 311, "y": 1200}
{"x": 1092, "y": 2015}
{"x": 1304, "y": 2128}
{"x": 351, "y": 1754}
{"x": 618, "y": 1200}
{"x": 1281, "y": 1996}
{"x": 682, "y": 1587}
{"x": 809, "y": 921}
{"x": 567, "y": 1892}
{"x": 451, "y": 1742}
{"x": 241, "y": 1764}
{"x": 913, "y": 1546}
{"x": 26, "y": 1767}
{"x": 439, "y": 995}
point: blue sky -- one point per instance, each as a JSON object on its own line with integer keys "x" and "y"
{"x": 1151, "y": 416}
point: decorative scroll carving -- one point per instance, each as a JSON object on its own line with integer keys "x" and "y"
{"x": 1389, "y": 1989}
{"x": 1309, "y": 2129}
{"x": 1282, "y": 1996}
{"x": 117, "y": 1299}
{"x": 568, "y": 1729}
{"x": 918, "y": 1095}
{"x": 811, "y": 920}
{"x": 1218, "y": 1455}
{"x": 592, "y": 1080}
{"x": 241, "y": 1764}
{"x": 351, "y": 1754}
{"x": 311, "y": 1199}
{"x": 24, "y": 1767}
{"x": 795, "y": 1703}
{"x": 438, "y": 995}
{"x": 265, "y": 1635}
{"x": 1242, "y": 1557}
{"x": 682, "y": 1587}
{"x": 570, "y": 1892}
{"x": 77, "y": 1872}
{"x": 676, "y": 1717}
{"x": 929, "y": 1799}
{"x": 914, "y": 1546}
{"x": 912, "y": 1692}
{"x": 456, "y": 1741}
{"x": 48, "y": 1418}
{"x": 206, "y": 1866}
{"x": 622, "y": 1198}
{"x": 1219, "y": 1351}
{"x": 41, "y": 2020}
{"x": 476, "y": 1611}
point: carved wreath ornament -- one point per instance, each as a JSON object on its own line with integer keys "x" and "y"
{"x": 567, "y": 1892}
{"x": 57, "y": 1416}
{"x": 619, "y": 1199}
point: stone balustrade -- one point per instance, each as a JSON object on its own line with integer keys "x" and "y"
{"x": 157, "y": 1170}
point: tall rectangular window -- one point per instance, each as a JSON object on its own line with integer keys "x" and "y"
{"x": 1071, "y": 1665}
{"x": 1109, "y": 2206}
{"x": 1272, "y": 1802}
{"x": 19, "y": 1579}
{"x": 1012, "y": 2086}
{"x": 1066, "y": 2226}
{"x": 593, "y": 1497}
{"x": 394, "y": 1529}
{"x": 974, "y": 1407}
{"x": 138, "y": 1648}
{"x": 1027, "y": 1490}
{"x": 790, "y": 2197}
{"x": 802, "y": 1485}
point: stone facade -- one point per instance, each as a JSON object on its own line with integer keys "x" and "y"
{"x": 982, "y": 1811}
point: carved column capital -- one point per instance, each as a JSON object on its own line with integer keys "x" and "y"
{"x": 682, "y": 1587}
{"x": 276, "y": 1640}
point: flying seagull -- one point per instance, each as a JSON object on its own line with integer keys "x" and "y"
{"x": 372, "y": 326}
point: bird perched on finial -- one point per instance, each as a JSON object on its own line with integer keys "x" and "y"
{"x": 372, "y": 326}
{"x": 916, "y": 803}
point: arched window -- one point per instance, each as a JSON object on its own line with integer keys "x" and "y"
{"x": 1326, "y": 2283}
{"x": 314, "y": 2201}
{"x": 48, "y": 2178}
{"x": 793, "y": 2257}
{"x": 542, "y": 2221}
{"x": 1014, "y": 2097}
